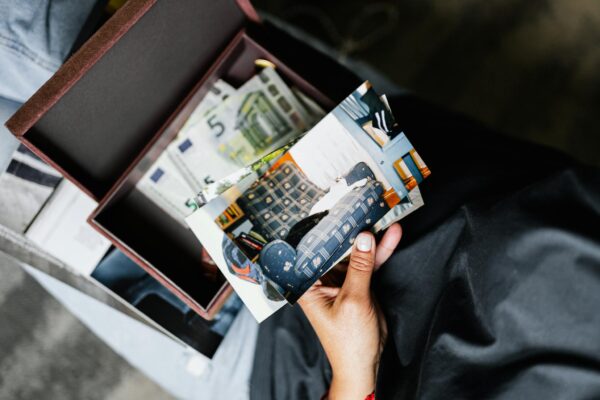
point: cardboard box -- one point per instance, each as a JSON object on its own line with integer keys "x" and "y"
{"x": 115, "y": 105}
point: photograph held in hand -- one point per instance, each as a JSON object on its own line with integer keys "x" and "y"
{"x": 278, "y": 228}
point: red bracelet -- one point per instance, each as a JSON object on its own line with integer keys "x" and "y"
{"x": 369, "y": 397}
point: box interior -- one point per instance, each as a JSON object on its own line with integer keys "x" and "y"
{"x": 133, "y": 219}
{"x": 98, "y": 127}
{"x": 162, "y": 242}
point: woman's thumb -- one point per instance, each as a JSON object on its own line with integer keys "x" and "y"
{"x": 360, "y": 268}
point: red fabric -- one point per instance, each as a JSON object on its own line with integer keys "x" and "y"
{"x": 369, "y": 397}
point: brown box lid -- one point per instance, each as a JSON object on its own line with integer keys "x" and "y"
{"x": 96, "y": 114}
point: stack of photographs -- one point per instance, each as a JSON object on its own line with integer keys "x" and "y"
{"x": 277, "y": 225}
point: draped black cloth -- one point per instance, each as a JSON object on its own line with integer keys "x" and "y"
{"x": 494, "y": 291}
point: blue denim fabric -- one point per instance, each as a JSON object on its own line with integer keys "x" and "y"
{"x": 35, "y": 38}
{"x": 8, "y": 143}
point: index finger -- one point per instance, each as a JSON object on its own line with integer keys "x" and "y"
{"x": 388, "y": 244}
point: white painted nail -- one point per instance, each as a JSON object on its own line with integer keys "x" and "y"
{"x": 364, "y": 242}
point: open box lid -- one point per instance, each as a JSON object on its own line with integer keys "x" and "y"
{"x": 97, "y": 113}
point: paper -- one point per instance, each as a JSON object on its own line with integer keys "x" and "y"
{"x": 62, "y": 230}
{"x": 261, "y": 116}
{"x": 25, "y": 187}
{"x": 167, "y": 189}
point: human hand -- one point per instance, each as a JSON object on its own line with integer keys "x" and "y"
{"x": 348, "y": 321}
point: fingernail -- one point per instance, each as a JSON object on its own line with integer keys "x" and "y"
{"x": 364, "y": 242}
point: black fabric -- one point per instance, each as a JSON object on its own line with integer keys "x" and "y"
{"x": 494, "y": 292}
{"x": 289, "y": 362}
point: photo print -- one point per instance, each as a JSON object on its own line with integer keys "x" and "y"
{"x": 275, "y": 230}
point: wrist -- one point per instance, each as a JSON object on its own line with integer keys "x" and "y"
{"x": 356, "y": 387}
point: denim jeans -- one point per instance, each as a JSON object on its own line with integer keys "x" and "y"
{"x": 35, "y": 38}
{"x": 8, "y": 143}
